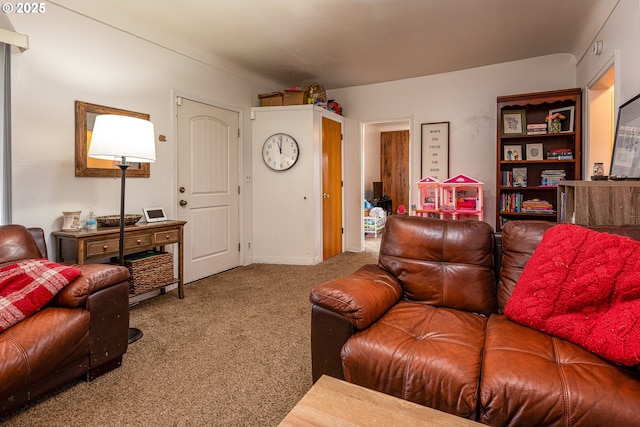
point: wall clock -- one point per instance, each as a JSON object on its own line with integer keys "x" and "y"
{"x": 280, "y": 151}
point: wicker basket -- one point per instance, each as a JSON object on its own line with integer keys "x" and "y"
{"x": 149, "y": 270}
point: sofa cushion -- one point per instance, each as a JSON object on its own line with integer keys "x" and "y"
{"x": 583, "y": 286}
{"x": 530, "y": 378}
{"x": 519, "y": 240}
{"x": 420, "y": 353}
{"x": 444, "y": 263}
{"x": 27, "y": 286}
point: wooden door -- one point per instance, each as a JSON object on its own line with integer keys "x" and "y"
{"x": 394, "y": 167}
{"x": 331, "y": 188}
{"x": 208, "y": 188}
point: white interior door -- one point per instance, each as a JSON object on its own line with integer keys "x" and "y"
{"x": 208, "y": 196}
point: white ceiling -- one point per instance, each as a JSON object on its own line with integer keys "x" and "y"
{"x": 342, "y": 43}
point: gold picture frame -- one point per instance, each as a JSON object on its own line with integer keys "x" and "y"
{"x": 89, "y": 167}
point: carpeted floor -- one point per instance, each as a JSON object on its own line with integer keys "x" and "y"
{"x": 234, "y": 352}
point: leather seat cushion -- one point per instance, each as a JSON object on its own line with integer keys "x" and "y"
{"x": 424, "y": 354}
{"x": 41, "y": 344}
{"x": 531, "y": 379}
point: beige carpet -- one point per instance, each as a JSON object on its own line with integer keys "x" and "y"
{"x": 234, "y": 352}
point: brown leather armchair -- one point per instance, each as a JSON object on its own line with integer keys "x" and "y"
{"x": 82, "y": 332}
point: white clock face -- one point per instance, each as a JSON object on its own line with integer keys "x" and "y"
{"x": 280, "y": 152}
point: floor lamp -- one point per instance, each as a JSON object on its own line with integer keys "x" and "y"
{"x": 123, "y": 139}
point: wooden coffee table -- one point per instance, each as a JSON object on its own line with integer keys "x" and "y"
{"x": 332, "y": 402}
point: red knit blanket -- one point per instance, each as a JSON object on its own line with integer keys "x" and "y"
{"x": 27, "y": 286}
{"x": 583, "y": 286}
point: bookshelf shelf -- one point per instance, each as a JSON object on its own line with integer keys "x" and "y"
{"x": 524, "y": 158}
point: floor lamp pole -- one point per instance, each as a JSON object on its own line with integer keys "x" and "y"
{"x": 134, "y": 333}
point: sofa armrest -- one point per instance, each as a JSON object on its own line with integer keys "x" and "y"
{"x": 94, "y": 278}
{"x": 361, "y": 297}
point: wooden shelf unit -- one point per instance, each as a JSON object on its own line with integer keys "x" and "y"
{"x": 599, "y": 202}
{"x": 537, "y": 106}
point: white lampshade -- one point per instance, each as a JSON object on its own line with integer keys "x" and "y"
{"x": 115, "y": 137}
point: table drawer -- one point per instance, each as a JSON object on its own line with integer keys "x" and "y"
{"x": 102, "y": 247}
{"x": 166, "y": 237}
{"x": 140, "y": 241}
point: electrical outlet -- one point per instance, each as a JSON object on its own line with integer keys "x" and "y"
{"x": 249, "y": 246}
{"x": 248, "y": 178}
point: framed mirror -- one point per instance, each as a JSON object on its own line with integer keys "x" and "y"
{"x": 86, "y": 166}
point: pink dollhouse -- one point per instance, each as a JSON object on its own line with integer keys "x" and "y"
{"x": 461, "y": 197}
{"x": 429, "y": 197}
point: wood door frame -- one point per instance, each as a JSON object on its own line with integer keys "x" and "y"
{"x": 245, "y": 252}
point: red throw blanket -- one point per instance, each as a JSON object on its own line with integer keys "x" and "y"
{"x": 27, "y": 286}
{"x": 583, "y": 286}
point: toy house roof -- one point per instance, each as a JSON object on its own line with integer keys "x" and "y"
{"x": 428, "y": 180}
{"x": 461, "y": 179}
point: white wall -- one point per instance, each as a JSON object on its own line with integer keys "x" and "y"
{"x": 466, "y": 99}
{"x": 75, "y": 58}
{"x": 621, "y": 38}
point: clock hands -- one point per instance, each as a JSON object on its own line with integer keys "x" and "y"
{"x": 280, "y": 144}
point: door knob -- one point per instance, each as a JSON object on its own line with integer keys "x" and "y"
{"x": 325, "y": 195}
{"x": 183, "y": 203}
{"x": 182, "y": 189}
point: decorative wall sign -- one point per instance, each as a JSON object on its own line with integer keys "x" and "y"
{"x": 435, "y": 150}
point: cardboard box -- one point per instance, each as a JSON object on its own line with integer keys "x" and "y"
{"x": 270, "y": 99}
{"x": 295, "y": 97}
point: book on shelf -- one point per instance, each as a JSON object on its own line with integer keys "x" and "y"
{"x": 537, "y": 206}
{"x": 507, "y": 179}
{"x": 536, "y": 128}
{"x": 551, "y": 177}
{"x": 519, "y": 177}
{"x": 510, "y": 202}
{"x": 560, "y": 154}
{"x": 563, "y": 207}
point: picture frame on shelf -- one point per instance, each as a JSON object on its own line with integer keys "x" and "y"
{"x": 625, "y": 160}
{"x": 435, "y": 150}
{"x": 535, "y": 151}
{"x": 512, "y": 152}
{"x": 566, "y": 125}
{"x": 514, "y": 122}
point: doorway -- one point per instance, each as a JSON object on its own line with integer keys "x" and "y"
{"x": 371, "y": 146}
{"x": 208, "y": 199}
{"x": 601, "y": 130}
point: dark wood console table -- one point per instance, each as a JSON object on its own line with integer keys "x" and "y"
{"x": 85, "y": 246}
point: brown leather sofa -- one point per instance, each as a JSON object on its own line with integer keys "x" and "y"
{"x": 426, "y": 324}
{"x": 82, "y": 332}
